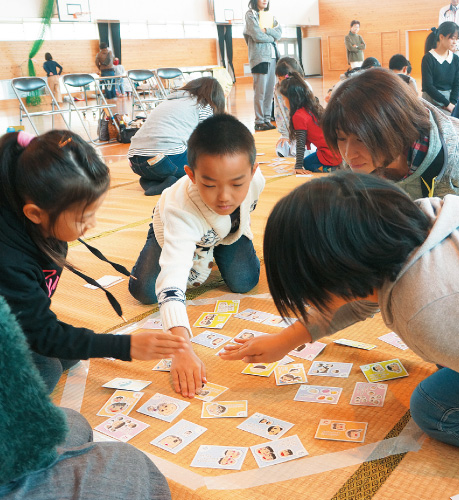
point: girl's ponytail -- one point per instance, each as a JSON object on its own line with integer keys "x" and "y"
{"x": 431, "y": 40}
{"x": 447, "y": 29}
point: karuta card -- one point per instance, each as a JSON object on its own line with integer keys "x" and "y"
{"x": 249, "y": 334}
{"x": 355, "y": 343}
{"x": 341, "y": 430}
{"x": 152, "y": 324}
{"x": 121, "y": 427}
{"x": 318, "y": 394}
{"x": 368, "y": 394}
{"x": 265, "y": 426}
{"x": 210, "y": 391}
{"x": 106, "y": 282}
{"x": 384, "y": 370}
{"x": 290, "y": 374}
{"x": 178, "y": 436}
{"x": 127, "y": 384}
{"x": 308, "y": 351}
{"x": 120, "y": 403}
{"x": 212, "y": 320}
{"x": 227, "y": 306}
{"x": 393, "y": 339}
{"x": 279, "y": 321}
{"x": 163, "y": 366}
{"x": 277, "y": 452}
{"x": 163, "y": 407}
{"x": 219, "y": 457}
{"x": 211, "y": 339}
{"x": 327, "y": 369}
{"x": 224, "y": 409}
{"x": 253, "y": 315}
{"x": 260, "y": 369}
{"x": 286, "y": 360}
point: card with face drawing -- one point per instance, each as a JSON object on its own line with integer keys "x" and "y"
{"x": 265, "y": 426}
{"x": 178, "y": 436}
{"x": 163, "y": 407}
{"x": 219, "y": 457}
{"x": 277, "y": 452}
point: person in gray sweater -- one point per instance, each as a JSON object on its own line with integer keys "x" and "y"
{"x": 358, "y": 245}
{"x": 354, "y": 45}
{"x": 104, "y": 63}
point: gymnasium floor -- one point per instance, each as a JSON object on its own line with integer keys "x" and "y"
{"x": 381, "y": 468}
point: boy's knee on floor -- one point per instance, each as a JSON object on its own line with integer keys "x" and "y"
{"x": 244, "y": 286}
{"x": 141, "y": 292}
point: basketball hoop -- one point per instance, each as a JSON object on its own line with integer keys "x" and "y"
{"x": 79, "y": 15}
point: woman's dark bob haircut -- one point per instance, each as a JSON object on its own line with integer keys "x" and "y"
{"x": 380, "y": 109}
{"x": 342, "y": 235}
{"x": 253, "y": 4}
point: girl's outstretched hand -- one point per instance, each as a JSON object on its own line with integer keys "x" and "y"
{"x": 146, "y": 345}
{"x": 267, "y": 348}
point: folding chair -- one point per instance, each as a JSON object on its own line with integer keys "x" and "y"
{"x": 84, "y": 82}
{"x": 173, "y": 77}
{"x": 31, "y": 84}
{"x": 145, "y": 81}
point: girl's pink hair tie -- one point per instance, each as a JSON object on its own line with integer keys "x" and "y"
{"x": 24, "y": 138}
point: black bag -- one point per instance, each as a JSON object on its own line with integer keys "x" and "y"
{"x": 125, "y": 134}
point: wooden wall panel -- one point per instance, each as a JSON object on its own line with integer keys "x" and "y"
{"x": 337, "y": 57}
{"x": 390, "y": 45}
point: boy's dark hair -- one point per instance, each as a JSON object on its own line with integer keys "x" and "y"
{"x": 380, "y": 110}
{"x": 253, "y": 4}
{"x": 398, "y": 62}
{"x": 207, "y": 90}
{"x": 354, "y": 21}
{"x": 370, "y": 62}
{"x": 287, "y": 65}
{"x": 103, "y": 45}
{"x": 48, "y": 56}
{"x": 299, "y": 96}
{"x": 55, "y": 171}
{"x": 447, "y": 29}
{"x": 221, "y": 135}
{"x": 346, "y": 234}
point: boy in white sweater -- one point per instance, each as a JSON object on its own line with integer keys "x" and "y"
{"x": 203, "y": 216}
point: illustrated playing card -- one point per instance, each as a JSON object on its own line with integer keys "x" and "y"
{"x": 227, "y": 306}
{"x": 384, "y": 370}
{"x": 127, "y": 384}
{"x": 178, "y": 436}
{"x": 106, "y": 282}
{"x": 219, "y": 457}
{"x": 152, "y": 324}
{"x": 279, "y": 321}
{"x": 224, "y": 409}
{"x": 327, "y": 369}
{"x": 120, "y": 403}
{"x": 163, "y": 407}
{"x": 368, "y": 394}
{"x": 210, "y": 391}
{"x": 121, "y": 427}
{"x": 340, "y": 430}
{"x": 290, "y": 374}
{"x": 355, "y": 343}
{"x": 277, "y": 452}
{"x": 253, "y": 315}
{"x": 308, "y": 351}
{"x": 318, "y": 394}
{"x": 249, "y": 334}
{"x": 210, "y": 339}
{"x": 163, "y": 366}
{"x": 265, "y": 426}
{"x": 393, "y": 339}
{"x": 286, "y": 360}
{"x": 212, "y": 320}
{"x": 260, "y": 369}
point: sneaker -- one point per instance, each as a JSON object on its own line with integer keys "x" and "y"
{"x": 270, "y": 126}
{"x": 261, "y": 126}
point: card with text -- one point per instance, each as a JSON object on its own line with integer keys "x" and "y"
{"x": 163, "y": 407}
{"x": 127, "y": 384}
{"x": 355, "y": 343}
{"x": 277, "y": 452}
{"x": 120, "y": 403}
{"x": 318, "y": 394}
{"x": 265, "y": 426}
{"x": 327, "y": 369}
{"x": 286, "y": 360}
{"x": 308, "y": 351}
{"x": 227, "y": 306}
{"x": 249, "y": 334}
{"x": 152, "y": 324}
{"x": 224, "y": 409}
{"x": 209, "y": 391}
{"x": 210, "y": 339}
{"x": 393, "y": 339}
{"x": 121, "y": 427}
{"x": 253, "y": 315}
{"x": 368, "y": 394}
{"x": 384, "y": 370}
{"x": 290, "y": 374}
{"x": 212, "y": 320}
{"x": 219, "y": 457}
{"x": 279, "y": 321}
{"x": 260, "y": 369}
{"x": 163, "y": 366}
{"x": 341, "y": 430}
{"x": 178, "y": 436}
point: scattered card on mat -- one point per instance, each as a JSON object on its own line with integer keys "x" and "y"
{"x": 106, "y": 282}
{"x": 253, "y": 315}
{"x": 227, "y": 306}
{"x": 219, "y": 457}
{"x": 286, "y": 360}
{"x": 121, "y": 427}
{"x": 163, "y": 407}
{"x": 120, "y": 403}
{"x": 212, "y": 320}
{"x": 384, "y": 370}
{"x": 308, "y": 351}
{"x": 368, "y": 394}
{"x": 152, "y": 324}
{"x": 318, "y": 394}
{"x": 224, "y": 409}
{"x": 277, "y": 452}
{"x": 260, "y": 369}
{"x": 327, "y": 369}
{"x": 210, "y": 391}
{"x": 163, "y": 366}
{"x": 341, "y": 430}
{"x": 279, "y": 321}
{"x": 127, "y": 384}
{"x": 178, "y": 436}
{"x": 393, "y": 339}
{"x": 249, "y": 334}
{"x": 290, "y": 374}
{"x": 265, "y": 426}
{"x": 210, "y": 339}
{"x": 355, "y": 343}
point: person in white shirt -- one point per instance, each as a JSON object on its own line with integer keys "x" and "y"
{"x": 449, "y": 13}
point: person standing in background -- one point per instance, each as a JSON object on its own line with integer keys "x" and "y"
{"x": 449, "y": 13}
{"x": 354, "y": 45}
{"x": 104, "y": 63}
{"x": 261, "y": 31}
{"x": 53, "y": 70}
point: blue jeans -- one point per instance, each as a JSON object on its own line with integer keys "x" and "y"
{"x": 109, "y": 85}
{"x": 238, "y": 264}
{"x": 435, "y": 406}
{"x": 312, "y": 163}
{"x": 51, "y": 369}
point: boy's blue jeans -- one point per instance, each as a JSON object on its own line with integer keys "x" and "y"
{"x": 435, "y": 406}
{"x": 238, "y": 264}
